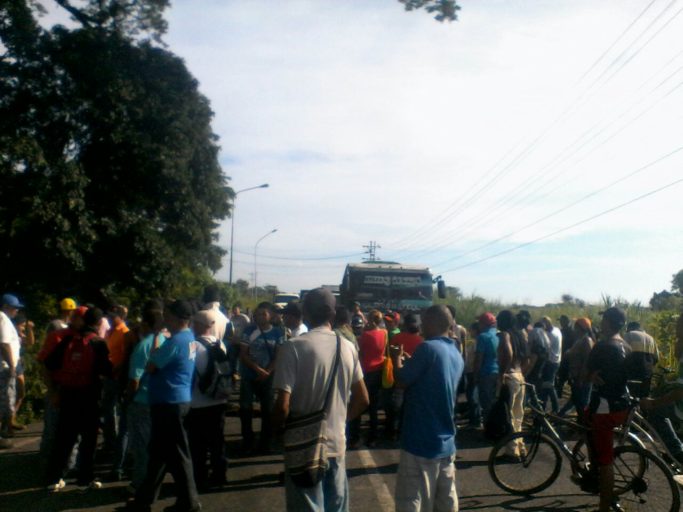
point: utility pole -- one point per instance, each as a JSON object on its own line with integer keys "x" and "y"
{"x": 371, "y": 251}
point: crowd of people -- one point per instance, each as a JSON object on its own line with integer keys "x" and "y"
{"x": 158, "y": 386}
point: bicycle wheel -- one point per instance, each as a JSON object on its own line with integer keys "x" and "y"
{"x": 533, "y": 470}
{"x": 647, "y": 479}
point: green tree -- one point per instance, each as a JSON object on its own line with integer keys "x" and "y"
{"x": 443, "y": 10}
{"x": 109, "y": 168}
{"x": 677, "y": 282}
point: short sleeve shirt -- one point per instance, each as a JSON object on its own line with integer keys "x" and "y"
{"x": 303, "y": 369}
{"x": 9, "y": 336}
{"x": 171, "y": 383}
{"x": 487, "y": 346}
{"x": 138, "y": 361}
{"x": 431, "y": 378}
{"x": 262, "y": 345}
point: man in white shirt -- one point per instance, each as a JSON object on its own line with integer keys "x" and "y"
{"x": 292, "y": 316}
{"x": 212, "y": 302}
{"x": 552, "y": 364}
{"x": 302, "y": 373}
{"x": 9, "y": 357}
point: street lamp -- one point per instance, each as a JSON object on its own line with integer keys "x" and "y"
{"x": 255, "y": 268}
{"x": 232, "y": 221}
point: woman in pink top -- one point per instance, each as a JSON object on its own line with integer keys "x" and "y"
{"x": 371, "y": 345}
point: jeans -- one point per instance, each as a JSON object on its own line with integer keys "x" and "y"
{"x": 169, "y": 451}
{"x": 47, "y": 439}
{"x": 581, "y": 393}
{"x": 548, "y": 386}
{"x": 473, "y": 407}
{"x": 139, "y": 431}
{"x": 205, "y": 431}
{"x": 7, "y": 399}
{"x": 78, "y": 415}
{"x": 487, "y": 392}
{"x": 263, "y": 390}
{"x": 426, "y": 484}
{"x": 331, "y": 494}
{"x": 110, "y": 413}
{"x": 393, "y": 406}
{"x": 660, "y": 419}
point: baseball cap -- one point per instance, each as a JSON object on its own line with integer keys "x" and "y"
{"x": 12, "y": 301}
{"x": 181, "y": 309}
{"x": 615, "y": 316}
{"x": 206, "y": 317}
{"x": 392, "y": 316}
{"x": 80, "y": 311}
{"x": 320, "y": 301}
{"x": 487, "y": 319}
{"x": 67, "y": 304}
{"x": 356, "y": 321}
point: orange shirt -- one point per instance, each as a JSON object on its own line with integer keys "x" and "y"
{"x": 116, "y": 343}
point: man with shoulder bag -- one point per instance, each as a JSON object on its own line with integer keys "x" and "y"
{"x": 316, "y": 376}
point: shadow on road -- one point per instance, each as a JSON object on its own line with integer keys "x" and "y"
{"x": 525, "y": 503}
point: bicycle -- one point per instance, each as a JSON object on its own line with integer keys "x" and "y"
{"x": 642, "y": 480}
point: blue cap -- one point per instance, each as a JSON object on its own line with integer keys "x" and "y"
{"x": 11, "y": 300}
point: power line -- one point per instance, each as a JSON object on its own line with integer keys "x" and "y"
{"x": 304, "y": 258}
{"x": 566, "y": 228}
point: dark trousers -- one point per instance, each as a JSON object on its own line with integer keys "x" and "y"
{"x": 263, "y": 391}
{"x": 373, "y": 383}
{"x": 205, "y": 432}
{"x": 78, "y": 415}
{"x": 169, "y": 450}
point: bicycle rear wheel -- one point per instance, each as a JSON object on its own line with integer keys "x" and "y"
{"x": 647, "y": 480}
{"x": 533, "y": 470}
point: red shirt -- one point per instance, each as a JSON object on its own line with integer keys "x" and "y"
{"x": 371, "y": 345}
{"x": 52, "y": 341}
{"x": 409, "y": 340}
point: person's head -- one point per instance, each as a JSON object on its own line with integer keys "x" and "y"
{"x": 392, "y": 319}
{"x": 357, "y": 325}
{"x": 211, "y": 294}
{"x": 92, "y": 319}
{"x": 374, "y": 319}
{"x": 613, "y": 320}
{"x": 474, "y": 329}
{"x": 203, "y": 322}
{"x": 237, "y": 309}
{"x": 275, "y": 314}
{"x": 263, "y": 315}
{"x": 547, "y": 323}
{"x": 564, "y": 321}
{"x": 76, "y": 320}
{"x": 523, "y": 319}
{"x": 342, "y": 316}
{"x": 66, "y": 306}
{"x": 319, "y": 308}
{"x": 583, "y": 326}
{"x": 117, "y": 314}
{"x": 355, "y": 307}
{"x": 633, "y": 326}
{"x": 177, "y": 315}
{"x": 20, "y": 321}
{"x": 11, "y": 305}
{"x": 436, "y": 321}
{"x": 292, "y": 315}
{"x": 152, "y": 319}
{"x": 539, "y": 325}
{"x": 410, "y": 324}
{"x": 487, "y": 321}
{"x": 452, "y": 311}
{"x": 505, "y": 320}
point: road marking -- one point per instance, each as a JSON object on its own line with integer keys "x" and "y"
{"x": 384, "y": 496}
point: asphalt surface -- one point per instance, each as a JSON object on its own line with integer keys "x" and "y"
{"x": 254, "y": 483}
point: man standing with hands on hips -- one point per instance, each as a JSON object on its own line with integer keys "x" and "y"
{"x": 426, "y": 470}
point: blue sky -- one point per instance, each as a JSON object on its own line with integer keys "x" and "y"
{"x": 370, "y": 123}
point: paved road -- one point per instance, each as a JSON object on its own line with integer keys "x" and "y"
{"x": 254, "y": 486}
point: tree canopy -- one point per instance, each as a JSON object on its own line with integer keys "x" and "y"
{"x": 108, "y": 163}
{"x": 443, "y": 10}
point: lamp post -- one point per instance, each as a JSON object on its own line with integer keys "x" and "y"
{"x": 232, "y": 221}
{"x": 255, "y": 263}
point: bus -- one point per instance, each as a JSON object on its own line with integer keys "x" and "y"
{"x": 388, "y": 285}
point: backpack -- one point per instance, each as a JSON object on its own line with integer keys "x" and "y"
{"x": 498, "y": 423}
{"x": 216, "y": 382}
{"x": 73, "y": 361}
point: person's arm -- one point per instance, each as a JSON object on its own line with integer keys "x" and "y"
{"x": 359, "y": 400}
{"x": 29, "y": 338}
{"x": 280, "y": 410}
{"x": 247, "y": 361}
{"x": 406, "y": 373}
{"x": 504, "y": 353}
{"x": 7, "y": 356}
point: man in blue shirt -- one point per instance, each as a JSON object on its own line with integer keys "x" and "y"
{"x": 486, "y": 368}
{"x": 171, "y": 368}
{"x": 426, "y": 470}
{"x": 259, "y": 346}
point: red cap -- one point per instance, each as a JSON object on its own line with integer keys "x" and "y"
{"x": 487, "y": 319}
{"x": 80, "y": 311}
{"x": 392, "y": 316}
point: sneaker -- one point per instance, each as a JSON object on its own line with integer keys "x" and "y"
{"x": 57, "y": 486}
{"x": 93, "y": 485}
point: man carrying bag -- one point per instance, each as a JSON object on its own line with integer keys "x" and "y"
{"x": 316, "y": 376}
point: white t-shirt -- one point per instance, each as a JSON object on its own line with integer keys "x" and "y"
{"x": 201, "y": 362}
{"x": 221, "y": 325}
{"x": 555, "y": 353}
{"x": 303, "y": 369}
{"x": 9, "y": 336}
{"x": 299, "y": 330}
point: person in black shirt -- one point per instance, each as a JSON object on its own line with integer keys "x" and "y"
{"x": 608, "y": 406}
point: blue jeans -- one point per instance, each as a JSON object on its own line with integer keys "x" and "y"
{"x": 47, "y": 440}
{"x": 473, "y": 409}
{"x": 110, "y": 413}
{"x": 660, "y": 419}
{"x": 330, "y": 495}
{"x": 548, "y": 386}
